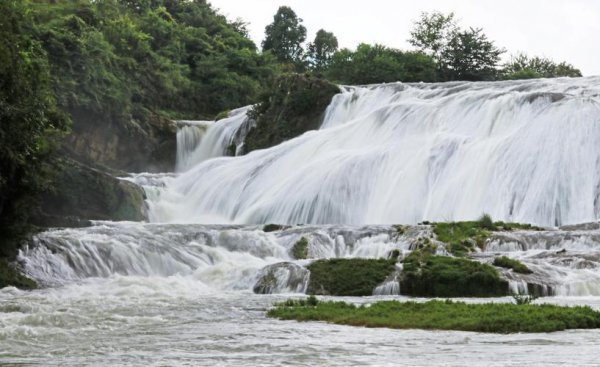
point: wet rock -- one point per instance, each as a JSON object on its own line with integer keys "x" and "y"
{"x": 282, "y": 277}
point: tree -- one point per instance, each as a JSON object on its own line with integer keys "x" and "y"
{"x": 469, "y": 55}
{"x": 523, "y": 67}
{"x": 432, "y": 33}
{"x": 284, "y": 37}
{"x": 459, "y": 54}
{"x": 29, "y": 119}
{"x": 322, "y": 49}
{"x": 379, "y": 64}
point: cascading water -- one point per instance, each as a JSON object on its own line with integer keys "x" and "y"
{"x": 526, "y": 151}
{"x": 198, "y": 141}
{"x": 522, "y": 151}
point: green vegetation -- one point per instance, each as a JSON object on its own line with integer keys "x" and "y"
{"x": 443, "y": 315}
{"x": 379, "y": 64}
{"x": 426, "y": 275}
{"x": 522, "y": 66}
{"x": 524, "y": 299}
{"x": 30, "y": 123}
{"x": 321, "y": 50}
{"x": 284, "y": 38}
{"x": 295, "y": 104}
{"x": 462, "y": 237}
{"x": 515, "y": 265}
{"x": 348, "y": 277}
{"x": 10, "y": 276}
{"x": 300, "y": 249}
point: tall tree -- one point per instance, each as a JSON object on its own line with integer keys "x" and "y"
{"x": 284, "y": 37}
{"x": 322, "y": 49}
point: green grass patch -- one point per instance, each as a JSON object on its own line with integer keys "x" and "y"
{"x": 300, "y": 249}
{"x": 426, "y": 275}
{"x": 515, "y": 265}
{"x": 10, "y": 276}
{"x": 443, "y": 315}
{"x": 348, "y": 277}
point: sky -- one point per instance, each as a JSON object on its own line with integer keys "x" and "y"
{"x": 562, "y": 30}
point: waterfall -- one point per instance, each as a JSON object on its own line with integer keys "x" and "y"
{"x": 524, "y": 151}
{"x": 198, "y": 141}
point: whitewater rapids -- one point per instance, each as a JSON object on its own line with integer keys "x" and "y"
{"x": 523, "y": 151}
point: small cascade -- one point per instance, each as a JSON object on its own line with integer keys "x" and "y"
{"x": 198, "y": 141}
{"x": 189, "y": 137}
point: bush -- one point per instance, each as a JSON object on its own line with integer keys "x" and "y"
{"x": 348, "y": 277}
{"x": 515, "y": 265}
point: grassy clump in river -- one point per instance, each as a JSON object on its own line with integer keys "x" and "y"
{"x": 442, "y": 315}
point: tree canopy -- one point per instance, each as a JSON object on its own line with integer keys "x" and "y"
{"x": 284, "y": 37}
{"x": 321, "y": 50}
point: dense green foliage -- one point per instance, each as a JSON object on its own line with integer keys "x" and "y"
{"x": 294, "y": 104}
{"x": 300, "y": 249}
{"x": 348, "y": 277}
{"x": 515, "y": 265}
{"x": 284, "y": 37}
{"x": 379, "y": 64}
{"x": 426, "y": 275}
{"x": 122, "y": 58}
{"x": 522, "y": 66}
{"x": 29, "y": 121}
{"x": 10, "y": 276}
{"x": 443, "y": 315}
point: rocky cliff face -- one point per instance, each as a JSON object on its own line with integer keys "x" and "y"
{"x": 83, "y": 193}
{"x": 143, "y": 144}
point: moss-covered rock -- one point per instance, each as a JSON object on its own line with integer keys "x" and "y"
{"x": 83, "y": 193}
{"x": 10, "y": 276}
{"x": 348, "y": 277}
{"x": 515, "y": 265}
{"x": 300, "y": 249}
{"x": 295, "y": 104}
{"x": 461, "y": 238}
{"x": 426, "y": 275}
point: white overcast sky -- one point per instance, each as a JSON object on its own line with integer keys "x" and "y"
{"x": 563, "y": 30}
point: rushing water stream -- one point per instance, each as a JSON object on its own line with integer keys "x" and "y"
{"x": 178, "y": 291}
